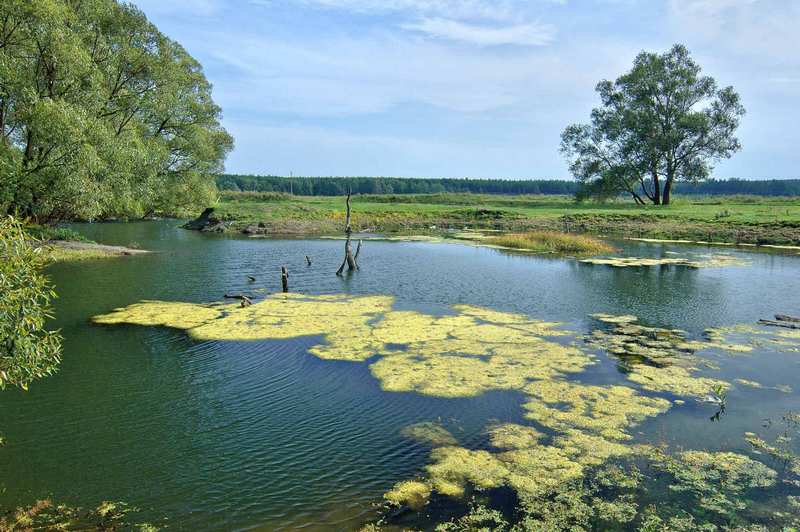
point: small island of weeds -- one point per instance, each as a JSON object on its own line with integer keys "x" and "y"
{"x": 552, "y": 242}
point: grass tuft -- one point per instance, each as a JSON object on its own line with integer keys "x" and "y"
{"x": 553, "y": 242}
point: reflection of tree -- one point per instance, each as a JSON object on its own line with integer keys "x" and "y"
{"x": 663, "y": 295}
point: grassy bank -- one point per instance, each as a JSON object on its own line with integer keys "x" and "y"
{"x": 737, "y": 219}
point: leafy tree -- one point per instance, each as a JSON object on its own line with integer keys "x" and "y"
{"x": 101, "y": 114}
{"x": 27, "y": 350}
{"x": 660, "y": 123}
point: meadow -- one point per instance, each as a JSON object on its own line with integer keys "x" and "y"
{"x": 734, "y": 219}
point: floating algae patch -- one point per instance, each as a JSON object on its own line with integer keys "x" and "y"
{"x": 459, "y": 355}
{"x": 513, "y": 436}
{"x": 430, "y": 433}
{"x": 574, "y": 428}
{"x": 185, "y": 316}
{"x": 716, "y": 480}
{"x": 699, "y": 261}
{"x": 411, "y": 493}
{"x": 783, "y": 340}
{"x": 660, "y": 360}
{"x": 603, "y": 410}
{"x": 343, "y": 320}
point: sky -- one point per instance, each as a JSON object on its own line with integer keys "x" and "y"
{"x": 470, "y": 88}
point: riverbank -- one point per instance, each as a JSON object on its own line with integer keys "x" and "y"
{"x": 733, "y": 219}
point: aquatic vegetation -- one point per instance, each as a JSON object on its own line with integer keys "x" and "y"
{"x": 552, "y": 242}
{"x": 411, "y": 493}
{"x": 513, "y": 436}
{"x": 603, "y": 410}
{"x": 782, "y": 450}
{"x": 453, "y": 468}
{"x": 659, "y": 360}
{"x": 430, "y": 433}
{"x": 716, "y": 481}
{"x": 700, "y": 261}
{"x": 479, "y": 519}
{"x": 45, "y": 515}
{"x": 561, "y": 467}
{"x": 748, "y": 383}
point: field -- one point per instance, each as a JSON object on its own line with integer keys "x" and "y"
{"x": 735, "y": 219}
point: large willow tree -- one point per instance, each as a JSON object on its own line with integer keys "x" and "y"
{"x": 659, "y": 123}
{"x": 101, "y": 114}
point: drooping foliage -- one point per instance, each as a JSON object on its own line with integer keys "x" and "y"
{"x": 27, "y": 350}
{"x": 660, "y": 123}
{"x": 101, "y": 114}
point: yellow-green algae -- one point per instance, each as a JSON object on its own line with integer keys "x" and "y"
{"x": 700, "y": 261}
{"x": 513, "y": 436}
{"x": 602, "y": 410}
{"x": 469, "y": 352}
{"x": 458, "y": 355}
{"x": 661, "y": 360}
{"x": 411, "y": 493}
{"x": 430, "y": 433}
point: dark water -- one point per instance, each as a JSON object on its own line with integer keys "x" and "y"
{"x": 239, "y": 435}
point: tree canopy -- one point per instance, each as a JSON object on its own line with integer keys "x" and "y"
{"x": 660, "y": 123}
{"x": 101, "y": 114}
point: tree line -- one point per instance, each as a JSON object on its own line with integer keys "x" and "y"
{"x": 101, "y": 114}
{"x": 337, "y": 186}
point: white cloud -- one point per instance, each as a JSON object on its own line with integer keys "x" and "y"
{"x": 371, "y": 73}
{"x": 458, "y": 9}
{"x": 533, "y": 34}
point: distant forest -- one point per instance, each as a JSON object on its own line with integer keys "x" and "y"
{"x": 336, "y": 186}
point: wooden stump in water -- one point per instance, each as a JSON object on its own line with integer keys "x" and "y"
{"x": 285, "y": 278}
{"x": 349, "y": 260}
{"x": 308, "y": 260}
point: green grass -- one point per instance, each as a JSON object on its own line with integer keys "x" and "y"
{"x": 751, "y": 219}
{"x": 553, "y": 242}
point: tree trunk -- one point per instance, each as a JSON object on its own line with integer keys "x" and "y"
{"x": 656, "y": 188}
{"x": 667, "y": 189}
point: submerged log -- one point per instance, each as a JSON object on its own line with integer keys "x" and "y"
{"x": 285, "y": 278}
{"x": 784, "y": 324}
{"x": 784, "y": 317}
{"x": 308, "y": 260}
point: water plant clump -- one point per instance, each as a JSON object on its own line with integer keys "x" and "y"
{"x": 657, "y": 359}
{"x": 606, "y": 411}
{"x": 411, "y": 493}
{"x": 429, "y": 433}
{"x": 552, "y": 242}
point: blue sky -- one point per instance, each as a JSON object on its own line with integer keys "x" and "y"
{"x": 470, "y": 88}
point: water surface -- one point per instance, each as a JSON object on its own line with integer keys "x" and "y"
{"x": 241, "y": 435}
